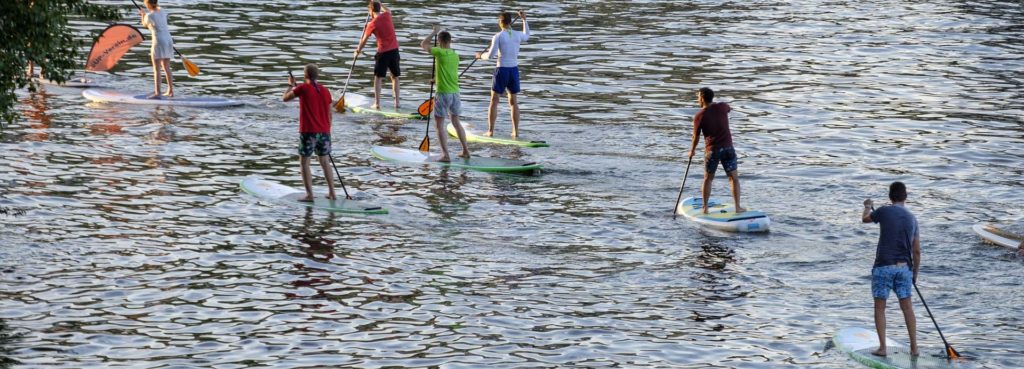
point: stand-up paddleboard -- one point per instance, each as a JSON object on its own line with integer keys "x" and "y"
{"x": 472, "y": 136}
{"x": 361, "y": 104}
{"x": 74, "y": 82}
{"x": 277, "y": 192}
{"x": 723, "y": 216}
{"x": 478, "y": 163}
{"x": 105, "y": 95}
{"x": 860, "y": 342}
{"x": 998, "y": 236}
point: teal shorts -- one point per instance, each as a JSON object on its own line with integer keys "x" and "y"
{"x": 891, "y": 278}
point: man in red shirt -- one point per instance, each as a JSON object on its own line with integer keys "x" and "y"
{"x": 713, "y": 121}
{"x": 387, "y": 57}
{"x": 314, "y": 126}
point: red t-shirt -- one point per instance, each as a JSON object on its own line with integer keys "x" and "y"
{"x": 382, "y": 28}
{"x": 713, "y": 122}
{"x": 314, "y": 108}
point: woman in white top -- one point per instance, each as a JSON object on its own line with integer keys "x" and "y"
{"x": 505, "y": 46}
{"x": 163, "y": 48}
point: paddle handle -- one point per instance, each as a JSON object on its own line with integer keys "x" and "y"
{"x": 675, "y": 209}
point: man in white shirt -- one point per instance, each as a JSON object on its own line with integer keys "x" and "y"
{"x": 505, "y": 46}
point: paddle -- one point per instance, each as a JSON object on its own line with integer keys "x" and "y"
{"x": 675, "y": 209}
{"x": 191, "y": 67}
{"x": 340, "y": 105}
{"x": 951, "y": 353}
{"x": 427, "y": 106}
{"x": 425, "y": 144}
{"x": 340, "y": 180}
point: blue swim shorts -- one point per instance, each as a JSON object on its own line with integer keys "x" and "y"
{"x": 725, "y": 155}
{"x": 506, "y": 78}
{"x": 887, "y": 278}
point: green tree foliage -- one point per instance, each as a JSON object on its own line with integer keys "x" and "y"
{"x": 37, "y": 31}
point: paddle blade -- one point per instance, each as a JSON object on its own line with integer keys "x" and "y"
{"x": 340, "y": 105}
{"x": 191, "y": 67}
{"x": 951, "y": 352}
{"x": 425, "y": 144}
{"x": 426, "y": 107}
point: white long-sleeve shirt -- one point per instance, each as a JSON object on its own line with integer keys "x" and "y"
{"x": 505, "y": 46}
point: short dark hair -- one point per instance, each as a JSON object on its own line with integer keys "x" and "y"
{"x": 444, "y": 37}
{"x": 375, "y": 5}
{"x": 898, "y": 192}
{"x": 505, "y": 19}
{"x": 707, "y": 94}
{"x": 311, "y": 71}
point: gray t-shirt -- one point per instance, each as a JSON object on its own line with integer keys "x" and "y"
{"x": 896, "y": 238}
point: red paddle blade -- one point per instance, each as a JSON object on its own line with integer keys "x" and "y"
{"x": 426, "y": 107}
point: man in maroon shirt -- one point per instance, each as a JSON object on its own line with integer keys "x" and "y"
{"x": 314, "y": 126}
{"x": 713, "y": 121}
{"x": 387, "y": 57}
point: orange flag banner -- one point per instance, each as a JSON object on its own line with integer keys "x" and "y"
{"x": 112, "y": 44}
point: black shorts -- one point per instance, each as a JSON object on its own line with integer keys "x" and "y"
{"x": 386, "y": 61}
{"x": 725, "y": 155}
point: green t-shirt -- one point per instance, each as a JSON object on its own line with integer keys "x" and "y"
{"x": 446, "y": 69}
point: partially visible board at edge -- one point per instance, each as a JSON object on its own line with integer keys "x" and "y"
{"x": 858, "y": 343}
{"x": 998, "y": 236}
{"x": 477, "y": 163}
{"x": 274, "y": 191}
{"x": 472, "y": 136}
{"x": 74, "y": 82}
{"x": 361, "y": 104}
{"x": 723, "y": 216}
{"x": 106, "y": 95}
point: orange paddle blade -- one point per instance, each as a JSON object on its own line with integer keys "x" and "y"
{"x": 191, "y": 67}
{"x": 952, "y": 352}
{"x": 340, "y": 105}
{"x": 426, "y": 107}
{"x": 425, "y": 144}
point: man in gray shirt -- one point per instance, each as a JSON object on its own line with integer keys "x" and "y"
{"x": 897, "y": 260}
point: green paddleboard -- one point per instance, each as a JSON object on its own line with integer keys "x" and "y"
{"x": 477, "y": 163}
{"x": 860, "y": 342}
{"x": 280, "y": 193}
{"x": 361, "y": 104}
{"x": 473, "y": 136}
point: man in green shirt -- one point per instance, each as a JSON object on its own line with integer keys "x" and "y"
{"x": 446, "y": 73}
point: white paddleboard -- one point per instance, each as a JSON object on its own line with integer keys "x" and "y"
{"x": 106, "y": 95}
{"x": 480, "y": 163}
{"x": 860, "y": 342}
{"x": 992, "y": 234}
{"x": 277, "y": 192}
{"x": 723, "y": 216}
{"x": 76, "y": 82}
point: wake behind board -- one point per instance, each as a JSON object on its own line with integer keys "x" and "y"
{"x": 472, "y": 136}
{"x": 280, "y": 193}
{"x": 723, "y": 216}
{"x": 361, "y": 104}
{"x": 106, "y": 95}
{"x": 992, "y": 234}
{"x": 477, "y": 163}
{"x": 860, "y": 342}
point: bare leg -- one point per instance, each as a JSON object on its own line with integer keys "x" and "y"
{"x": 462, "y": 136}
{"x": 908, "y": 316}
{"x": 395, "y": 90}
{"x": 880, "y": 326}
{"x": 705, "y": 189}
{"x": 492, "y": 113}
{"x": 734, "y": 180}
{"x": 376, "y": 92}
{"x": 442, "y": 137}
{"x": 32, "y": 70}
{"x": 156, "y": 78}
{"x": 307, "y": 179}
{"x": 327, "y": 174}
{"x": 170, "y": 79}
{"x": 513, "y": 104}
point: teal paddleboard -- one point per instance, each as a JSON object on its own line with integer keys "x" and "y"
{"x": 274, "y": 191}
{"x": 473, "y": 136}
{"x": 478, "y": 163}
{"x": 860, "y": 342}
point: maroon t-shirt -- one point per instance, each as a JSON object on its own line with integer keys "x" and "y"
{"x": 314, "y": 108}
{"x": 713, "y": 122}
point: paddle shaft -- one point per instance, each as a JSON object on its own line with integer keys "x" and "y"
{"x": 336, "y": 172}
{"x": 950, "y": 351}
{"x": 485, "y": 49}
{"x": 426, "y": 135}
{"x": 675, "y": 209}
{"x": 175, "y": 48}
{"x": 354, "y": 58}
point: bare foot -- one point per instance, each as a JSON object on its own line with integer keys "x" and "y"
{"x": 445, "y": 159}
{"x": 153, "y": 96}
{"x": 740, "y": 210}
{"x": 331, "y": 196}
{"x": 879, "y": 352}
{"x": 396, "y": 105}
{"x": 489, "y": 133}
{"x": 169, "y": 94}
{"x": 308, "y": 198}
{"x": 705, "y": 211}
{"x": 375, "y": 106}
{"x": 515, "y": 134}
{"x": 915, "y": 353}
{"x": 464, "y": 154}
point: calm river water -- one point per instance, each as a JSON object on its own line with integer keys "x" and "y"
{"x": 126, "y": 240}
